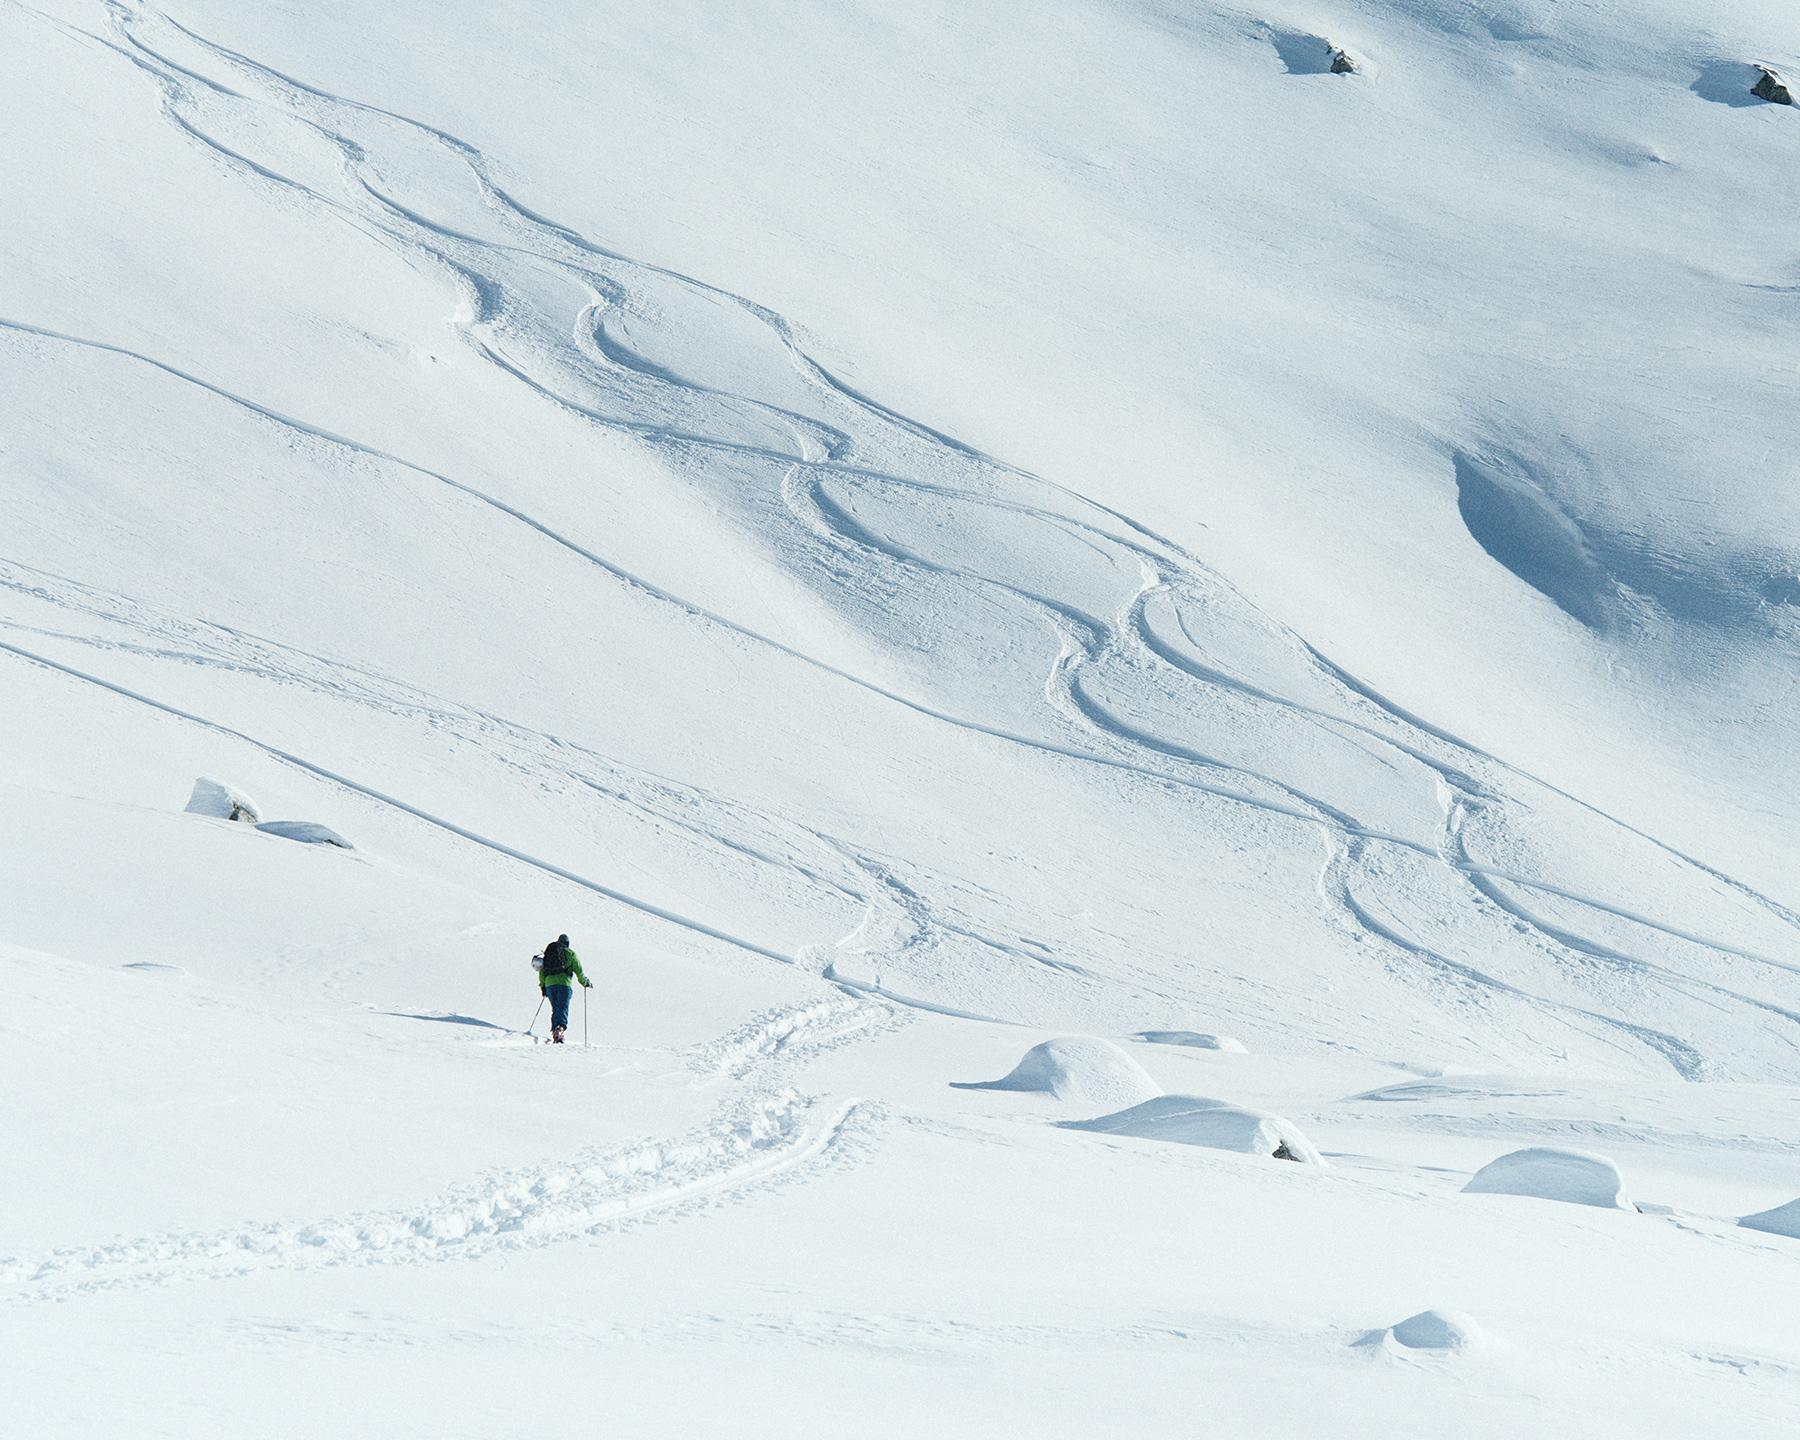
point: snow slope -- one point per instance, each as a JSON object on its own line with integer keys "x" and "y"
{"x": 908, "y": 532}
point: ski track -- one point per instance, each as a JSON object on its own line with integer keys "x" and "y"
{"x": 844, "y": 446}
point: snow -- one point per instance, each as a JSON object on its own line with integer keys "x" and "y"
{"x": 1197, "y": 1039}
{"x": 1076, "y": 1068}
{"x": 1448, "y": 1330}
{"x": 1573, "y": 1176}
{"x": 307, "y": 832}
{"x": 1782, "y": 1220}
{"x": 222, "y": 802}
{"x": 1193, "y": 1120}
{"x": 913, "y": 533}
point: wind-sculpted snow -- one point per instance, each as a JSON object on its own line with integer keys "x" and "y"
{"x": 1512, "y": 519}
{"x": 1076, "y": 1069}
{"x": 1196, "y": 1120}
{"x": 1444, "y": 1331}
{"x": 1575, "y": 1177}
{"x": 1781, "y": 1220}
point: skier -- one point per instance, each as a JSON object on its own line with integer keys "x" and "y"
{"x": 558, "y": 968}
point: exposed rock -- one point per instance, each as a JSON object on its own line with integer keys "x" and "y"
{"x": 1772, "y": 87}
{"x": 306, "y": 832}
{"x": 1303, "y": 53}
{"x": 222, "y": 802}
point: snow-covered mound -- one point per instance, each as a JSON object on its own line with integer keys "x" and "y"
{"x": 1195, "y": 1040}
{"x": 1194, "y": 1120}
{"x": 1782, "y": 1220}
{"x": 1076, "y": 1068}
{"x": 307, "y": 832}
{"x": 222, "y": 802}
{"x": 1443, "y": 1330}
{"x": 1573, "y": 1176}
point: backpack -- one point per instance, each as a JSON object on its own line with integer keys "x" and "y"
{"x": 556, "y": 960}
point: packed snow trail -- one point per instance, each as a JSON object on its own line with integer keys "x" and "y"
{"x": 757, "y": 1141}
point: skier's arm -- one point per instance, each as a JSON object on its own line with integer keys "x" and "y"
{"x": 575, "y": 965}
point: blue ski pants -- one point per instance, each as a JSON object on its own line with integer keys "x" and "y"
{"x": 559, "y": 1004}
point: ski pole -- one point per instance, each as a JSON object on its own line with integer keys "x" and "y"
{"x": 529, "y": 1029}
{"x": 584, "y": 1013}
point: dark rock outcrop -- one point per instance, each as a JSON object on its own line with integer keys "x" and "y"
{"x": 1772, "y": 87}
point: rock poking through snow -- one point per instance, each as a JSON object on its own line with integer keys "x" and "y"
{"x": 1572, "y": 1176}
{"x": 306, "y": 832}
{"x": 222, "y": 802}
{"x": 1782, "y": 1220}
{"x": 1194, "y": 1040}
{"x": 1303, "y": 53}
{"x": 1195, "y": 1120}
{"x": 1077, "y": 1067}
{"x": 1771, "y": 87}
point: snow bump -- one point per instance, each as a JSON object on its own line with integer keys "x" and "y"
{"x": 1195, "y": 1120}
{"x": 220, "y": 801}
{"x": 306, "y": 832}
{"x": 1076, "y": 1067}
{"x": 1440, "y": 1331}
{"x": 1782, "y": 1220}
{"x": 1572, "y": 1176}
{"x": 1194, "y": 1040}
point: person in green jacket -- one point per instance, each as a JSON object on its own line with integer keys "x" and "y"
{"x": 558, "y": 969}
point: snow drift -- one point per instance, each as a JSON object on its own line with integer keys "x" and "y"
{"x": 1446, "y": 1331}
{"x": 1076, "y": 1068}
{"x": 1194, "y": 1040}
{"x": 307, "y": 832}
{"x": 1193, "y": 1120}
{"x": 1782, "y": 1220}
{"x": 1572, "y": 1176}
{"x": 222, "y": 802}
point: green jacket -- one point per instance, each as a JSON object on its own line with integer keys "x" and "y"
{"x": 567, "y": 978}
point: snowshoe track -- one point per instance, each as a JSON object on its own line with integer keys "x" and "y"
{"x": 749, "y": 1143}
{"x": 793, "y": 1033}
